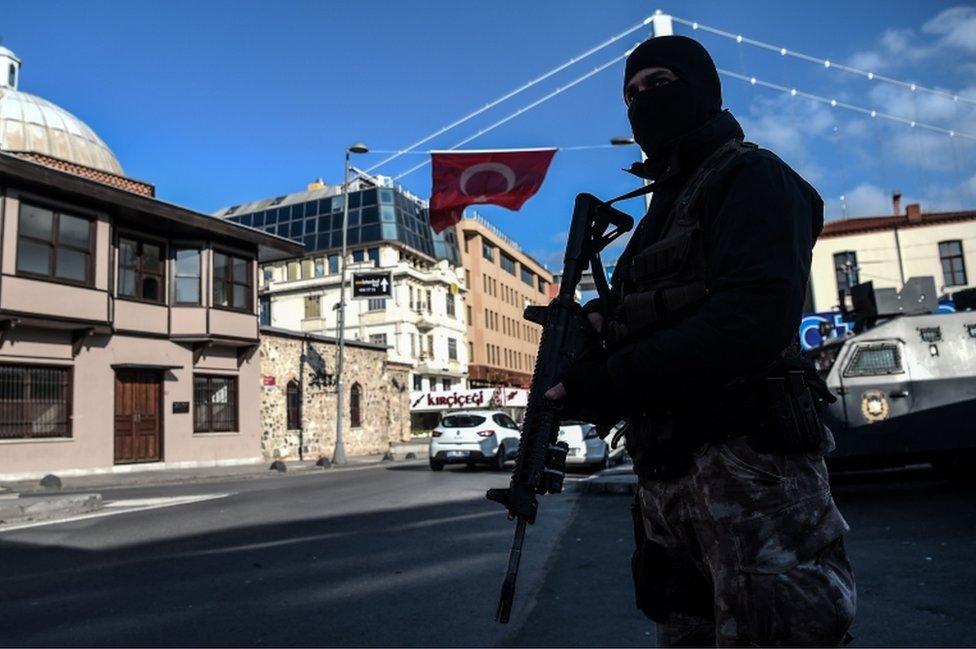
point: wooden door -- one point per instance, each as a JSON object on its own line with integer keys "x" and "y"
{"x": 138, "y": 417}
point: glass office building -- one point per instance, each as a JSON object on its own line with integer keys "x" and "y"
{"x": 376, "y": 215}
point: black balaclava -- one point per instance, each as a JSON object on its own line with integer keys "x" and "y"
{"x": 659, "y": 116}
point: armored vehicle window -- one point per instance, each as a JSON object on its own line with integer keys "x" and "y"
{"x": 930, "y": 334}
{"x": 462, "y": 421}
{"x": 874, "y": 360}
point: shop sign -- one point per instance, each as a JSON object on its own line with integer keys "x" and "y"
{"x": 438, "y": 400}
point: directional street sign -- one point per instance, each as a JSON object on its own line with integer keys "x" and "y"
{"x": 367, "y": 285}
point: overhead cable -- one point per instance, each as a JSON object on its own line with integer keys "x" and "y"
{"x": 525, "y": 86}
{"x": 826, "y": 63}
{"x": 521, "y": 110}
{"x": 793, "y": 92}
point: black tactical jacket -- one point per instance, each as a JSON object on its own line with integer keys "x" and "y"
{"x": 760, "y": 220}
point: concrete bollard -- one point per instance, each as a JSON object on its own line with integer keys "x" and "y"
{"x": 51, "y": 481}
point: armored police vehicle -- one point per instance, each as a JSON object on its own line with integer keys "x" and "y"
{"x": 905, "y": 382}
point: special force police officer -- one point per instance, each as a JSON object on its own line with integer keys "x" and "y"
{"x": 739, "y": 539}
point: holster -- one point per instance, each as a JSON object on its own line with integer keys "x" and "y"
{"x": 663, "y": 584}
{"x": 659, "y": 446}
{"x": 791, "y": 398}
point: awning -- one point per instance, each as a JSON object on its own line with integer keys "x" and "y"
{"x": 144, "y": 366}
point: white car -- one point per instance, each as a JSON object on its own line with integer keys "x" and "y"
{"x": 586, "y": 447}
{"x": 474, "y": 437}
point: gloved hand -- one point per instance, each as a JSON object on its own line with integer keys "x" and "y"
{"x": 585, "y": 392}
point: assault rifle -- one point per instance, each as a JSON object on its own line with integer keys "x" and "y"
{"x": 566, "y": 334}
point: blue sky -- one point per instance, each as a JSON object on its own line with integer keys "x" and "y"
{"x": 222, "y": 102}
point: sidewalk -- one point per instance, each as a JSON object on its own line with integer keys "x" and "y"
{"x": 619, "y": 480}
{"x": 104, "y": 481}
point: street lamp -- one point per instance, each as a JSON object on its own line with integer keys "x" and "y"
{"x": 621, "y": 140}
{"x": 339, "y": 454}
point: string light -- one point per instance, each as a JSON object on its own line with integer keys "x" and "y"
{"x": 518, "y": 112}
{"x": 793, "y": 92}
{"x": 826, "y": 63}
{"x": 512, "y": 93}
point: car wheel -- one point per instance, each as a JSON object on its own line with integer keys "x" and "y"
{"x": 436, "y": 466}
{"x": 499, "y": 463}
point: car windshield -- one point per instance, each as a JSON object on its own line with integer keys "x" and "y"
{"x": 462, "y": 421}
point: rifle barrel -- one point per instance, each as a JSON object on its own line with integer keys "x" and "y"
{"x": 504, "y": 610}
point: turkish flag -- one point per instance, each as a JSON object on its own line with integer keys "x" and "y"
{"x": 507, "y": 178}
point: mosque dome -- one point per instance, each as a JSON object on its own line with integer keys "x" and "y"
{"x": 31, "y": 124}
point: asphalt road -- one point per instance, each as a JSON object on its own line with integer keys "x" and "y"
{"x": 398, "y": 555}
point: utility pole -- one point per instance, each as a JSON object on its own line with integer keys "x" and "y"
{"x": 339, "y": 454}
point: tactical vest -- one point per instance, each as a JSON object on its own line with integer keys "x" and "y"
{"x": 669, "y": 277}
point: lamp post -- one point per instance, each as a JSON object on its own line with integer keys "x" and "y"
{"x": 627, "y": 141}
{"x": 339, "y": 454}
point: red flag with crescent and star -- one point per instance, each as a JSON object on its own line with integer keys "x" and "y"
{"x": 507, "y": 178}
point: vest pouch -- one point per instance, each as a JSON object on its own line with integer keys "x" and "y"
{"x": 676, "y": 260}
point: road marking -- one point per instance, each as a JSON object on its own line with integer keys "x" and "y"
{"x": 126, "y": 506}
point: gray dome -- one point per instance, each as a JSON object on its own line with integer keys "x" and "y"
{"x": 30, "y": 123}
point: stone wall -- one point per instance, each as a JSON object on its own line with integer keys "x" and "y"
{"x": 385, "y": 409}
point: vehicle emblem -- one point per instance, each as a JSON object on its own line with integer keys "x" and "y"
{"x": 874, "y": 406}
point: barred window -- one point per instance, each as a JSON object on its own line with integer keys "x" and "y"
{"x": 355, "y": 406}
{"x": 874, "y": 360}
{"x": 214, "y": 403}
{"x": 35, "y": 402}
{"x": 293, "y": 405}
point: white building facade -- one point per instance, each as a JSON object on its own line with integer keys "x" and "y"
{"x": 887, "y": 250}
{"x": 422, "y": 323}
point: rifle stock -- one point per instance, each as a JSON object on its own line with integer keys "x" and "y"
{"x": 541, "y": 462}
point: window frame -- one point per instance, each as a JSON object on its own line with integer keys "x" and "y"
{"x": 140, "y": 240}
{"x": 68, "y": 384}
{"x": 174, "y": 251}
{"x": 356, "y": 405}
{"x": 230, "y": 255}
{"x": 53, "y": 245}
{"x": 951, "y": 258}
{"x": 851, "y": 361}
{"x": 316, "y": 313}
{"x": 848, "y": 255}
{"x": 293, "y": 411}
{"x": 234, "y": 381}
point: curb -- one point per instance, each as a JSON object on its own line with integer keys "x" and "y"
{"x": 616, "y": 483}
{"x": 43, "y": 508}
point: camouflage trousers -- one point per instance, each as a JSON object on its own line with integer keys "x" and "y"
{"x": 764, "y": 533}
